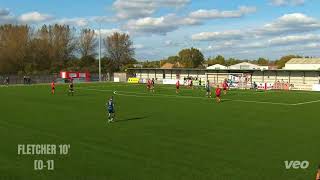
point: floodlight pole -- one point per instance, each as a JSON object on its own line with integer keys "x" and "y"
{"x": 100, "y": 52}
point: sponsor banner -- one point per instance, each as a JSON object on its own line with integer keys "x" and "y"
{"x": 232, "y": 85}
{"x": 116, "y": 79}
{"x": 187, "y": 82}
{"x": 265, "y": 86}
{"x": 172, "y": 81}
{"x": 133, "y": 80}
{"x": 316, "y": 87}
{"x": 239, "y": 80}
{"x": 143, "y": 81}
{"x": 195, "y": 83}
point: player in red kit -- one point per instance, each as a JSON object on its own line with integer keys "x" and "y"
{"x": 225, "y": 86}
{"x": 149, "y": 85}
{"x": 52, "y": 87}
{"x": 218, "y": 94}
{"x": 177, "y": 87}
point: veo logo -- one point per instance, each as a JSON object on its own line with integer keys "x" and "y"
{"x": 296, "y": 164}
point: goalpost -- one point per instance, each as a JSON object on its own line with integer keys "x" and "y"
{"x": 235, "y": 80}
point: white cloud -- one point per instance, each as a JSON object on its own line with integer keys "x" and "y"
{"x": 168, "y": 23}
{"x": 215, "y": 14}
{"x": 80, "y": 22}
{"x": 168, "y": 42}
{"x": 160, "y": 25}
{"x": 4, "y": 12}
{"x": 289, "y": 33}
{"x": 285, "y": 25}
{"x": 138, "y": 46}
{"x": 287, "y": 2}
{"x": 313, "y": 46}
{"x": 6, "y": 17}
{"x": 224, "y": 45}
{"x": 34, "y": 17}
{"x": 212, "y": 36}
{"x": 102, "y": 19}
{"x": 294, "y": 39}
{"x": 108, "y": 32}
{"x": 291, "y": 23}
{"x": 131, "y": 9}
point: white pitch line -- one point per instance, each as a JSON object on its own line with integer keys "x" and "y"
{"x": 136, "y": 94}
{"x": 261, "y": 102}
{"x": 165, "y": 95}
{"x": 308, "y": 102}
{"x": 155, "y": 95}
{"x": 91, "y": 89}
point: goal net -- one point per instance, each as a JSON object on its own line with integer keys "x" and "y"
{"x": 235, "y": 80}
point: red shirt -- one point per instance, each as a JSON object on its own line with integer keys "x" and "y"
{"x": 218, "y": 91}
{"x": 225, "y": 85}
{"x": 177, "y": 83}
{"x": 52, "y": 85}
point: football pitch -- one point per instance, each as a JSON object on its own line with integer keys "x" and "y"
{"x": 161, "y": 135}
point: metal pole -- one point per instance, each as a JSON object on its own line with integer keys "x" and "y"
{"x": 99, "y": 52}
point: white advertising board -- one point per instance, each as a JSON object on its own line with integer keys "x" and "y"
{"x": 316, "y": 87}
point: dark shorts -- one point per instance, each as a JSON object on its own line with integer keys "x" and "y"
{"x": 217, "y": 95}
{"x": 53, "y": 88}
{"x": 177, "y": 87}
{"x": 111, "y": 110}
{"x": 224, "y": 89}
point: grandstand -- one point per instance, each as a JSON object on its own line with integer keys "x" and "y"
{"x": 297, "y": 79}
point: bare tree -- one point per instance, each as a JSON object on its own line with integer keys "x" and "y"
{"x": 14, "y": 48}
{"x": 119, "y": 49}
{"x": 62, "y": 42}
{"x": 87, "y": 43}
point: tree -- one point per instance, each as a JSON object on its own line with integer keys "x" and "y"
{"x": 217, "y": 60}
{"x": 87, "y": 43}
{"x": 119, "y": 49}
{"x": 14, "y": 48}
{"x": 220, "y": 60}
{"x": 151, "y": 64}
{"x": 262, "y": 61}
{"x": 55, "y": 46}
{"x": 173, "y": 59}
{"x": 25, "y": 50}
{"x": 232, "y": 61}
{"x": 191, "y": 57}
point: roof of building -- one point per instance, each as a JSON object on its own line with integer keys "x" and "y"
{"x": 217, "y": 65}
{"x": 167, "y": 66}
{"x": 244, "y": 63}
{"x": 304, "y": 61}
{"x": 170, "y": 65}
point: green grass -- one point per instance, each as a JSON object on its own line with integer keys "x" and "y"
{"x": 159, "y": 136}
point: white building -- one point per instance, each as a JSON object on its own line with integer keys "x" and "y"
{"x": 303, "y": 64}
{"x": 248, "y": 66}
{"x": 217, "y": 66}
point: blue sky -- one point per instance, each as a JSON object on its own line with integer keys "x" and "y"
{"x": 245, "y": 29}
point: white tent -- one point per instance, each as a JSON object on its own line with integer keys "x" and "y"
{"x": 246, "y": 65}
